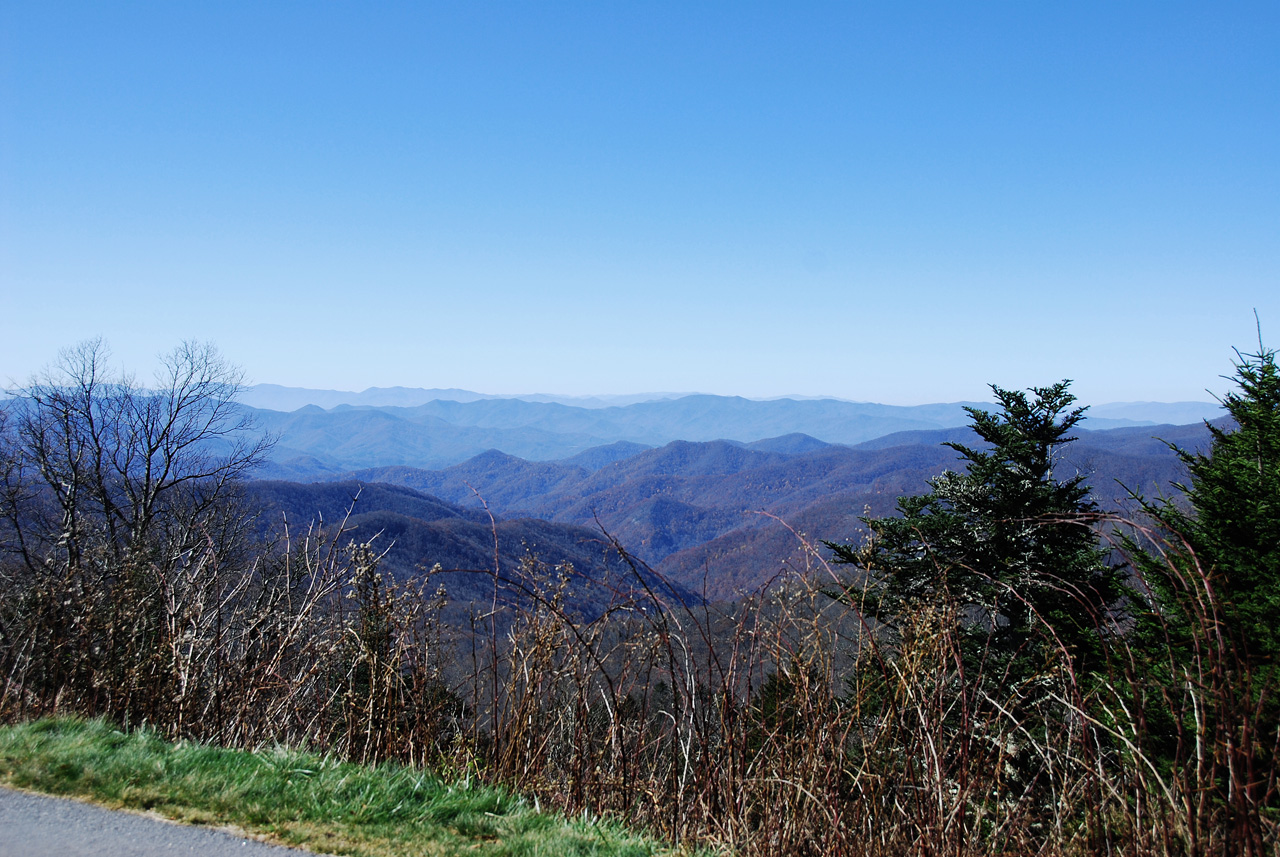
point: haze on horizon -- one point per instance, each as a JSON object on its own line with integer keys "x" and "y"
{"x": 278, "y": 397}
{"x": 899, "y": 204}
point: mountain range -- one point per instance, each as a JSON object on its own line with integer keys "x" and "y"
{"x": 448, "y": 427}
{"x": 715, "y": 517}
{"x": 277, "y": 398}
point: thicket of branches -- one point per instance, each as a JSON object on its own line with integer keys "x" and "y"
{"x": 976, "y": 677}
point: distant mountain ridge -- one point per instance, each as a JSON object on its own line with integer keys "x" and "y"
{"x": 275, "y": 397}
{"x": 316, "y": 442}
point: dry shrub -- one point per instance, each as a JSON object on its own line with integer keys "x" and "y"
{"x": 307, "y": 645}
{"x": 789, "y": 723}
{"x": 792, "y": 723}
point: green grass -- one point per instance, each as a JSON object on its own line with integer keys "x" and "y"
{"x": 297, "y": 798}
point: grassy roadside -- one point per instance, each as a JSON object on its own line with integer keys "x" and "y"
{"x": 295, "y": 798}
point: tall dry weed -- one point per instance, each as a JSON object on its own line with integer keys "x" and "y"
{"x": 788, "y": 723}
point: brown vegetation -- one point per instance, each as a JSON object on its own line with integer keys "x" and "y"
{"x": 786, "y": 727}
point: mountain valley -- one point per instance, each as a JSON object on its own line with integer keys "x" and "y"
{"x": 717, "y": 518}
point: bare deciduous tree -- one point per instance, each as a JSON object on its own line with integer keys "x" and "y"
{"x": 117, "y": 496}
{"x": 132, "y": 473}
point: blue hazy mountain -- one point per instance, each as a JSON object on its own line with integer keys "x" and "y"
{"x": 277, "y": 398}
{"x": 317, "y": 442}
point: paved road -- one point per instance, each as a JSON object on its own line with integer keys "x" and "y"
{"x": 38, "y": 826}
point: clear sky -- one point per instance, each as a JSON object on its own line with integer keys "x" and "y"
{"x": 891, "y": 201}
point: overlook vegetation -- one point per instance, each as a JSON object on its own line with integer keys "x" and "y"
{"x": 984, "y": 657}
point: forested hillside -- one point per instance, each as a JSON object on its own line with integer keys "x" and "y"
{"x": 414, "y": 533}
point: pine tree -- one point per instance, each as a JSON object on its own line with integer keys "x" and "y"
{"x": 1208, "y": 640}
{"x": 1006, "y": 544}
{"x": 1229, "y": 526}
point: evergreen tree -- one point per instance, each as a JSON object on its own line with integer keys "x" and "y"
{"x": 1229, "y": 527}
{"x": 1006, "y": 544}
{"x": 1208, "y": 643}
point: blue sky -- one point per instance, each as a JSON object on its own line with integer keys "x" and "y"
{"x": 896, "y": 202}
